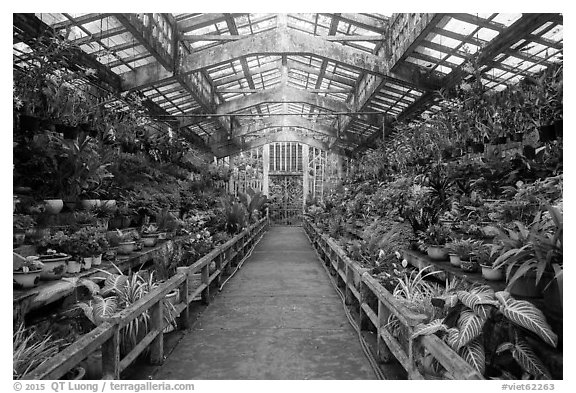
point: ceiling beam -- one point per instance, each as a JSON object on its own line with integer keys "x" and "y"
{"x": 228, "y": 149}
{"x": 285, "y": 122}
{"x": 282, "y": 95}
{"x": 248, "y": 91}
{"x": 237, "y": 37}
{"x": 275, "y": 42}
{"x": 363, "y": 21}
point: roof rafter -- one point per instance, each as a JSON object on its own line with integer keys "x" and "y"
{"x": 277, "y": 42}
{"x": 228, "y": 149}
{"x": 282, "y": 94}
{"x": 285, "y": 121}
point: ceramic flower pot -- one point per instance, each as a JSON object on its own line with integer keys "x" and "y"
{"x": 74, "y": 266}
{"x": 53, "y": 206}
{"x": 437, "y": 253}
{"x": 491, "y": 274}
{"x": 455, "y": 260}
{"x": 150, "y": 240}
{"x": 25, "y": 280}
{"x": 97, "y": 260}
{"x": 126, "y": 248}
{"x": 55, "y": 266}
{"x": 86, "y": 263}
{"x": 89, "y": 204}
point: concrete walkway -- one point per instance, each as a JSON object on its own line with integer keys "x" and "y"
{"x": 277, "y": 318}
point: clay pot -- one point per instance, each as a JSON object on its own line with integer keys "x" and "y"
{"x": 55, "y": 266}
{"x": 491, "y": 274}
{"x": 437, "y": 253}
{"x": 53, "y": 206}
{"x": 455, "y": 260}
{"x": 25, "y": 280}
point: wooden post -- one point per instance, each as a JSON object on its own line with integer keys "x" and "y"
{"x": 184, "y": 318}
{"x": 157, "y": 323}
{"x": 205, "y": 278}
{"x": 218, "y": 261}
{"x": 111, "y": 356}
{"x": 348, "y": 295}
{"x": 383, "y": 352}
{"x": 362, "y": 317}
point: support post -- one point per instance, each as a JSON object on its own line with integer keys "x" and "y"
{"x": 157, "y": 323}
{"x": 184, "y": 318}
{"x": 305, "y": 175}
{"x": 205, "y": 280}
{"x": 265, "y": 168}
{"x": 383, "y": 352}
{"x": 348, "y": 295}
{"x": 111, "y": 356}
{"x": 362, "y": 317}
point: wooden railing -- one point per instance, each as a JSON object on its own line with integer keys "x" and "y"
{"x": 107, "y": 334}
{"x": 376, "y": 305}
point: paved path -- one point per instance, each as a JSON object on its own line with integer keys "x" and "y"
{"x": 277, "y": 318}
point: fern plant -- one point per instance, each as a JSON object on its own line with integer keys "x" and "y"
{"x": 481, "y": 325}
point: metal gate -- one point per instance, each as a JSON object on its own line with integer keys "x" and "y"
{"x": 285, "y": 196}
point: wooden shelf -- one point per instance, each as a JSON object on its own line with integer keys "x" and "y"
{"x": 420, "y": 261}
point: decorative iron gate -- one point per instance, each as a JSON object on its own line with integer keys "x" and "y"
{"x": 285, "y": 199}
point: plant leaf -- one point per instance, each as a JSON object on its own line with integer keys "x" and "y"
{"x": 452, "y": 338}
{"x": 504, "y": 347}
{"x": 474, "y": 354}
{"x": 114, "y": 284}
{"x": 428, "y": 328}
{"x": 528, "y": 360}
{"x": 477, "y": 296}
{"x": 470, "y": 326}
{"x": 528, "y": 316}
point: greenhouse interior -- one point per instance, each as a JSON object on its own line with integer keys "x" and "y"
{"x": 301, "y": 196}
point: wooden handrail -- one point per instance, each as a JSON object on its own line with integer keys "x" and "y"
{"x": 387, "y": 305}
{"x": 106, "y": 335}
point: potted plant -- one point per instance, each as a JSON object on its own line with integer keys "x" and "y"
{"x": 21, "y": 224}
{"x": 98, "y": 245}
{"x": 461, "y": 249}
{"x": 150, "y": 235}
{"x": 490, "y": 330}
{"x": 27, "y": 271}
{"x": 435, "y": 237}
{"x": 55, "y": 265}
{"x": 532, "y": 257}
{"x": 485, "y": 257}
{"x": 127, "y": 242}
